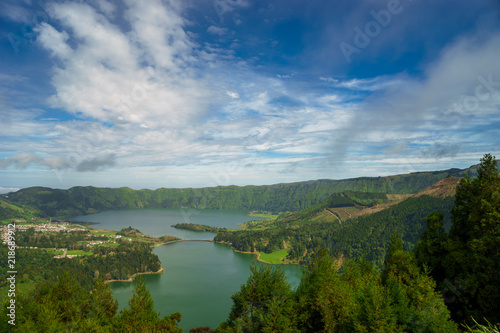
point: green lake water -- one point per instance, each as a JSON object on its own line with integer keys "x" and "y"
{"x": 199, "y": 277}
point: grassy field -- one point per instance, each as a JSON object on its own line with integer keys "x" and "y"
{"x": 103, "y": 232}
{"x": 267, "y": 216}
{"x": 79, "y": 252}
{"x": 108, "y": 244}
{"x": 55, "y": 253}
{"x": 275, "y": 257}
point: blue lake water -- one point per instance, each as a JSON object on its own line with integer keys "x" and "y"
{"x": 199, "y": 277}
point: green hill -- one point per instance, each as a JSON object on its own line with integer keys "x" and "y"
{"x": 12, "y": 212}
{"x": 373, "y": 218}
{"x": 277, "y": 197}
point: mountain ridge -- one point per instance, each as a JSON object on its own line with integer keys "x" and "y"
{"x": 82, "y": 200}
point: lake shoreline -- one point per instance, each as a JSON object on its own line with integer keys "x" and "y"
{"x": 257, "y": 255}
{"x": 131, "y": 279}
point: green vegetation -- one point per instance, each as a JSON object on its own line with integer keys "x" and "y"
{"x": 365, "y": 235}
{"x": 103, "y": 232}
{"x": 64, "y": 305}
{"x": 397, "y": 268}
{"x": 79, "y": 253}
{"x": 272, "y": 198}
{"x": 108, "y": 244}
{"x": 275, "y": 257}
{"x": 119, "y": 261}
{"x": 478, "y": 328}
{"x": 358, "y": 298}
{"x": 198, "y": 227}
{"x": 466, "y": 261}
{"x": 9, "y": 212}
{"x": 266, "y": 215}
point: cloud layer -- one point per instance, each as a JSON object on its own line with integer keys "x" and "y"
{"x": 181, "y": 92}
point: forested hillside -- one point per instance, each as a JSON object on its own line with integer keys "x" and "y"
{"x": 403, "y": 296}
{"x": 278, "y": 197}
{"x": 9, "y": 211}
{"x": 362, "y": 236}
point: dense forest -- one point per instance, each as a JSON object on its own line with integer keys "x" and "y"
{"x": 365, "y": 235}
{"x": 49, "y": 202}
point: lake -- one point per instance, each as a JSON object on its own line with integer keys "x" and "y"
{"x": 199, "y": 277}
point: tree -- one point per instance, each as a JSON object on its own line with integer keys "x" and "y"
{"x": 472, "y": 259}
{"x": 102, "y": 304}
{"x": 430, "y": 249}
{"x": 141, "y": 316}
{"x": 414, "y": 290}
{"x": 325, "y": 301}
{"x": 263, "y": 304}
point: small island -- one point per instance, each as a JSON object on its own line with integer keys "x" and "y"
{"x": 198, "y": 227}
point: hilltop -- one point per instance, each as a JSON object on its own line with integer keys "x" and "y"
{"x": 75, "y": 201}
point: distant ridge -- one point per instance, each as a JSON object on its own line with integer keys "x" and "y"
{"x": 278, "y": 197}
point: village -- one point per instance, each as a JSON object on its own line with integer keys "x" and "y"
{"x": 57, "y": 227}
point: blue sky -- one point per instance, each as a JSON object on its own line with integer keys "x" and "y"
{"x": 194, "y": 93}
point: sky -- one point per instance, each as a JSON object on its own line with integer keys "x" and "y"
{"x": 197, "y": 93}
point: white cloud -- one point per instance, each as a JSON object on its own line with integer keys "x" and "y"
{"x": 148, "y": 97}
{"x": 141, "y": 77}
{"x": 15, "y": 13}
{"x": 107, "y": 7}
{"x": 55, "y": 41}
{"x": 373, "y": 84}
{"x": 233, "y": 94}
{"x": 227, "y": 6}
{"x": 431, "y": 107}
{"x": 217, "y": 30}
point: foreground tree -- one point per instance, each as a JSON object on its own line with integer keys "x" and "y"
{"x": 466, "y": 262}
{"x": 353, "y": 298}
{"x": 415, "y": 292}
{"x": 64, "y": 306}
{"x": 140, "y": 316}
{"x": 263, "y": 304}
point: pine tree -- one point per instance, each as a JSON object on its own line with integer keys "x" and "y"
{"x": 140, "y": 316}
{"x": 430, "y": 249}
{"x": 429, "y": 313}
{"x": 472, "y": 260}
{"x": 263, "y": 304}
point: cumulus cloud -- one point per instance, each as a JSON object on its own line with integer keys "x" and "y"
{"x": 146, "y": 83}
{"x": 140, "y": 77}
